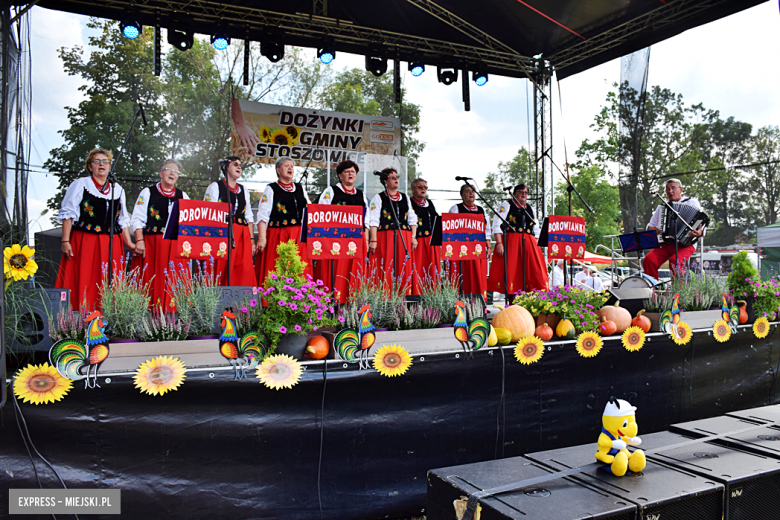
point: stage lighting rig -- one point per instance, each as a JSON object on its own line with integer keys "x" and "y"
{"x": 327, "y": 52}
{"x": 447, "y": 74}
{"x": 273, "y": 50}
{"x": 376, "y": 66}
{"x": 220, "y": 40}
{"x": 416, "y": 68}
{"x": 480, "y": 78}
{"x": 131, "y": 29}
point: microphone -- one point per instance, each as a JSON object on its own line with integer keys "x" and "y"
{"x": 508, "y": 188}
{"x": 143, "y": 114}
{"x": 463, "y": 179}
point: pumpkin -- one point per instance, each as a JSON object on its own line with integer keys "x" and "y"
{"x": 617, "y": 314}
{"x": 544, "y": 332}
{"x": 643, "y": 322}
{"x": 743, "y": 315}
{"x": 565, "y": 329}
{"x": 606, "y": 327}
{"x": 504, "y": 336}
{"x": 317, "y": 347}
{"x": 493, "y": 337}
{"x": 517, "y": 320}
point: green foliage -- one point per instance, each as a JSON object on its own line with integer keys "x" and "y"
{"x": 384, "y": 301}
{"x": 520, "y": 169}
{"x": 697, "y": 293}
{"x": 196, "y": 296}
{"x": 571, "y": 303}
{"x": 166, "y": 327}
{"x": 767, "y": 299}
{"x": 68, "y": 324}
{"x": 125, "y": 302}
{"x": 741, "y": 275}
{"x": 441, "y": 293}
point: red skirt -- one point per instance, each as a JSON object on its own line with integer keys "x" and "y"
{"x": 535, "y": 269}
{"x": 426, "y": 262}
{"x": 160, "y": 253}
{"x": 474, "y": 275}
{"x": 265, "y": 262}
{"x": 346, "y": 275}
{"x": 83, "y": 272}
{"x": 241, "y": 272}
{"x": 382, "y": 263}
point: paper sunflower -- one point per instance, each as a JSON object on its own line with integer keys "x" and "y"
{"x": 589, "y": 344}
{"x": 281, "y": 137}
{"x": 761, "y": 328}
{"x": 721, "y": 331}
{"x": 279, "y": 371}
{"x": 18, "y": 262}
{"x": 393, "y": 360}
{"x": 633, "y": 338}
{"x": 159, "y": 375}
{"x": 529, "y": 350}
{"x": 41, "y": 384}
{"x": 683, "y": 335}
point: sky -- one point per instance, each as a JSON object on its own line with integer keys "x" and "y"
{"x": 727, "y": 65}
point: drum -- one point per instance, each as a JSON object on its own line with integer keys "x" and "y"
{"x": 636, "y": 281}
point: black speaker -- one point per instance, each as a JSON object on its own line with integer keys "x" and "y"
{"x": 557, "y": 499}
{"x": 633, "y": 300}
{"x": 764, "y": 440}
{"x": 659, "y": 491}
{"x": 752, "y": 481}
{"x": 762, "y": 414}
{"x": 233, "y": 296}
{"x": 34, "y": 323}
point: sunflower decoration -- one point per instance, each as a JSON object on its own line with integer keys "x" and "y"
{"x": 393, "y": 360}
{"x": 761, "y": 327}
{"x": 633, "y": 338}
{"x": 294, "y": 134}
{"x": 159, "y": 375}
{"x": 281, "y": 137}
{"x": 589, "y": 344}
{"x": 279, "y": 371}
{"x": 721, "y": 331}
{"x": 529, "y": 350}
{"x": 265, "y": 134}
{"x": 683, "y": 334}
{"x": 18, "y": 263}
{"x": 40, "y": 384}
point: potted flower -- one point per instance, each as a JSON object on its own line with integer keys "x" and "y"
{"x": 741, "y": 279}
{"x": 295, "y": 304}
{"x": 125, "y": 303}
{"x": 571, "y": 303}
{"x": 196, "y": 297}
{"x": 767, "y": 299}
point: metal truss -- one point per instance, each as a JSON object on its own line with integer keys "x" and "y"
{"x": 319, "y": 7}
{"x": 545, "y": 202}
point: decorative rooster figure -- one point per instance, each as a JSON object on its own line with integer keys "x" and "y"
{"x": 670, "y": 318}
{"x": 730, "y": 314}
{"x": 242, "y": 354}
{"x": 472, "y": 336}
{"x": 348, "y": 341}
{"x": 71, "y": 356}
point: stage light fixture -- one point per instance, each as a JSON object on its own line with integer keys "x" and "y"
{"x": 376, "y": 66}
{"x": 326, "y": 53}
{"x": 416, "y": 68}
{"x": 273, "y": 50}
{"x": 181, "y": 39}
{"x": 447, "y": 75}
{"x": 480, "y": 78}
{"x": 131, "y": 28}
{"x": 220, "y": 40}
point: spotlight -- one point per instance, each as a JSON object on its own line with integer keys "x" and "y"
{"x": 480, "y": 78}
{"x": 376, "y": 66}
{"x": 447, "y": 75}
{"x": 326, "y": 53}
{"x": 416, "y": 68}
{"x": 180, "y": 38}
{"x": 273, "y": 50}
{"x": 131, "y": 28}
{"x": 220, "y": 40}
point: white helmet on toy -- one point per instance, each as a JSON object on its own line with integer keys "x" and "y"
{"x": 618, "y": 408}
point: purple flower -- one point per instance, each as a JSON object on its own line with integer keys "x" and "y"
{"x": 244, "y": 310}
{"x": 341, "y": 319}
{"x": 282, "y": 303}
{"x": 253, "y": 303}
{"x": 290, "y": 280}
{"x": 270, "y": 290}
{"x": 297, "y": 328}
{"x": 315, "y": 328}
{"x": 272, "y": 276}
{"x": 306, "y": 308}
{"x": 755, "y": 294}
{"x": 293, "y": 307}
{"x": 330, "y": 309}
{"x": 320, "y": 283}
{"x": 283, "y": 329}
{"x": 584, "y": 323}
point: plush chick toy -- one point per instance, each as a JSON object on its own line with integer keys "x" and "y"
{"x": 618, "y": 429}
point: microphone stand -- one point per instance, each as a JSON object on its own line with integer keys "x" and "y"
{"x": 112, "y": 179}
{"x": 395, "y": 232}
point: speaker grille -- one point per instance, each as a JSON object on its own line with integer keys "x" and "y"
{"x": 706, "y": 506}
{"x": 755, "y": 499}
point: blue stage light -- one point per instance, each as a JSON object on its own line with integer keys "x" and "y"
{"x": 326, "y": 54}
{"x": 131, "y": 29}
{"x": 220, "y": 41}
{"x": 480, "y": 78}
{"x": 416, "y": 68}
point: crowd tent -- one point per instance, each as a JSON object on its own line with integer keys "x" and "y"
{"x": 769, "y": 250}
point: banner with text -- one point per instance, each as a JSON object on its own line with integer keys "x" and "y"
{"x": 463, "y": 236}
{"x": 262, "y": 133}
{"x": 202, "y": 229}
{"x": 564, "y": 237}
{"x": 334, "y": 232}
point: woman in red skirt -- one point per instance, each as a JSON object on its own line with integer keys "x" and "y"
{"x": 86, "y": 220}
{"x": 279, "y": 218}
{"x": 387, "y": 255}
{"x": 229, "y": 190}
{"x": 474, "y": 272}
{"x": 347, "y": 273}
{"x": 154, "y": 254}
{"x": 521, "y": 229}
{"x": 426, "y": 259}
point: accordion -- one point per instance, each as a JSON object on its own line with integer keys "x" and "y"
{"x": 671, "y": 226}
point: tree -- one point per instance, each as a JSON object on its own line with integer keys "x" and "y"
{"x": 518, "y": 170}
{"x": 764, "y": 180}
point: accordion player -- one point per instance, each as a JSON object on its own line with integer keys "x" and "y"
{"x": 667, "y": 225}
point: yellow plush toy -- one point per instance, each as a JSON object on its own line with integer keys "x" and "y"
{"x": 619, "y": 429}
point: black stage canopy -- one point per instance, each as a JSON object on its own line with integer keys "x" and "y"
{"x": 499, "y": 36}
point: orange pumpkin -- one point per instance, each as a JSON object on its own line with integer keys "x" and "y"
{"x": 617, "y": 314}
{"x": 743, "y": 315}
{"x": 643, "y": 322}
{"x": 317, "y": 347}
{"x": 606, "y": 327}
{"x": 517, "y": 320}
{"x": 544, "y": 332}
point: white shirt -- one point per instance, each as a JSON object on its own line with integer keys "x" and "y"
{"x": 557, "y": 276}
{"x": 212, "y": 195}
{"x": 454, "y": 209}
{"x": 69, "y": 208}
{"x": 655, "y": 220}
{"x": 503, "y": 211}
{"x": 375, "y": 211}
{"x": 138, "y": 221}
{"x": 328, "y": 194}
{"x": 267, "y": 203}
{"x": 589, "y": 281}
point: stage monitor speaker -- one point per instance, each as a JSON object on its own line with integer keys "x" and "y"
{"x": 34, "y": 323}
{"x": 557, "y": 499}
{"x": 763, "y": 441}
{"x": 762, "y": 414}
{"x": 659, "y": 491}
{"x": 752, "y": 481}
{"x": 633, "y": 300}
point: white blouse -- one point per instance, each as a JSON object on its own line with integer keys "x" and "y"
{"x": 267, "y": 203}
{"x": 212, "y": 195}
{"x": 375, "y": 211}
{"x": 454, "y": 209}
{"x": 504, "y": 211}
{"x": 328, "y": 194}
{"x": 69, "y": 208}
{"x": 140, "y": 209}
